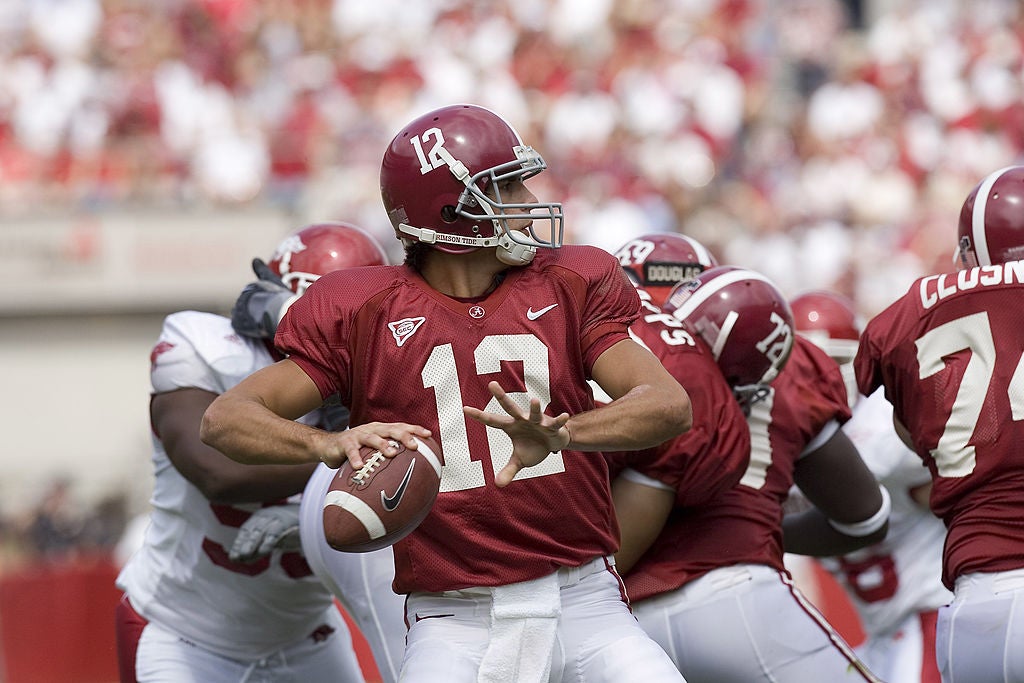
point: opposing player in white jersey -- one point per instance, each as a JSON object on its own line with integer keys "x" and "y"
{"x": 949, "y": 356}
{"x": 484, "y": 339}
{"x": 190, "y": 612}
{"x": 361, "y": 582}
{"x": 895, "y": 585}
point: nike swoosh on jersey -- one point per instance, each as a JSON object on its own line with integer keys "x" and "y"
{"x": 392, "y": 502}
{"x": 533, "y": 315}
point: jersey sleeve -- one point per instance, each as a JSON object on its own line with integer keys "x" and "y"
{"x": 313, "y": 334}
{"x": 712, "y": 455}
{"x": 824, "y": 388}
{"x": 610, "y": 307}
{"x": 873, "y": 347}
{"x": 177, "y": 360}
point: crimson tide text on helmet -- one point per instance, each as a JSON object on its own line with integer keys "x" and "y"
{"x": 434, "y": 181}
{"x": 657, "y": 262}
{"x": 745, "y": 320}
{"x": 992, "y": 220}
{"x": 830, "y": 321}
{"x": 309, "y": 252}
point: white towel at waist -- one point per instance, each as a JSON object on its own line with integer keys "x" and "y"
{"x": 524, "y": 622}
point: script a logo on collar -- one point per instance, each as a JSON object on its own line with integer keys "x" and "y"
{"x": 405, "y": 328}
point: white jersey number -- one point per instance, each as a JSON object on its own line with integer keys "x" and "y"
{"x": 954, "y": 455}
{"x": 759, "y": 422}
{"x": 441, "y": 374}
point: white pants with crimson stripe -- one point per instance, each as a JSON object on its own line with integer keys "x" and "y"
{"x": 748, "y": 623}
{"x": 597, "y": 638}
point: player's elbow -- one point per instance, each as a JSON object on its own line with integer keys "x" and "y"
{"x": 685, "y": 413}
{"x": 675, "y": 413}
{"x": 212, "y": 428}
{"x": 681, "y": 411}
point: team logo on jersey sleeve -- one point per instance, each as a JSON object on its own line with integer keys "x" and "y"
{"x": 405, "y": 328}
{"x": 158, "y": 350}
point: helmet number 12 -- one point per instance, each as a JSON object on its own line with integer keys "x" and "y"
{"x": 432, "y": 159}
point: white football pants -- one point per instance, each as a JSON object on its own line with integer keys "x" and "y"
{"x": 360, "y": 581}
{"x": 744, "y": 624}
{"x": 596, "y": 639}
{"x": 980, "y": 635}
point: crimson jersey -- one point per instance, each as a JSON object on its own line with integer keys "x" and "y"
{"x": 700, "y": 464}
{"x": 396, "y": 350}
{"x": 949, "y": 353}
{"x": 743, "y": 525}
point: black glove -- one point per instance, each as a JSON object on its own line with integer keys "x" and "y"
{"x": 261, "y": 304}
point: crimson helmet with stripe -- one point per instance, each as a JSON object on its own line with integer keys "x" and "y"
{"x": 440, "y": 183}
{"x": 745, "y": 320}
{"x": 991, "y": 226}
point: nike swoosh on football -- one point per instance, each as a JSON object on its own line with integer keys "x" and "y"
{"x": 390, "y": 503}
{"x": 533, "y": 315}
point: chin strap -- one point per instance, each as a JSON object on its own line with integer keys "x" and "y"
{"x": 509, "y": 251}
{"x": 513, "y": 253}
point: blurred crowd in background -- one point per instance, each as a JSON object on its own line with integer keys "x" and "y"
{"x": 824, "y": 143}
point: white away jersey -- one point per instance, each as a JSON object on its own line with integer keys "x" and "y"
{"x": 902, "y": 574}
{"x": 181, "y": 577}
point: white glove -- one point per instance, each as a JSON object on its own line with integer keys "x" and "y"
{"x": 268, "y": 529}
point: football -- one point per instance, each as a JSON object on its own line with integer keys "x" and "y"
{"x": 383, "y": 501}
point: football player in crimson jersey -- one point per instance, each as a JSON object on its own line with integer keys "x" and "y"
{"x": 693, "y": 467}
{"x": 709, "y": 584}
{"x": 949, "y": 356}
{"x": 485, "y": 339}
{"x": 895, "y": 584}
{"x": 192, "y": 610}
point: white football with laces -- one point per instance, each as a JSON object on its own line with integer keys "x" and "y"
{"x": 383, "y": 501}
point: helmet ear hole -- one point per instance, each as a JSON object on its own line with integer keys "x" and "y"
{"x": 448, "y": 214}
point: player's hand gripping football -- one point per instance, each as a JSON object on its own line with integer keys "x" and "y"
{"x": 534, "y": 434}
{"x": 339, "y": 446}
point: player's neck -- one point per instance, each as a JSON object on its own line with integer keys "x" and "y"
{"x": 463, "y": 276}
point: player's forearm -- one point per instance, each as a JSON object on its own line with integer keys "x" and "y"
{"x": 246, "y": 431}
{"x": 810, "y": 533}
{"x": 644, "y": 417}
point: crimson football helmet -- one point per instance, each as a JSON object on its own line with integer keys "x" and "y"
{"x": 309, "y": 252}
{"x": 744, "y": 319}
{"x": 657, "y": 262}
{"x": 829, "y": 320}
{"x": 441, "y": 179}
{"x": 991, "y": 226}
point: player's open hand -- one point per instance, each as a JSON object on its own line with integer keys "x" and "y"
{"x": 534, "y": 434}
